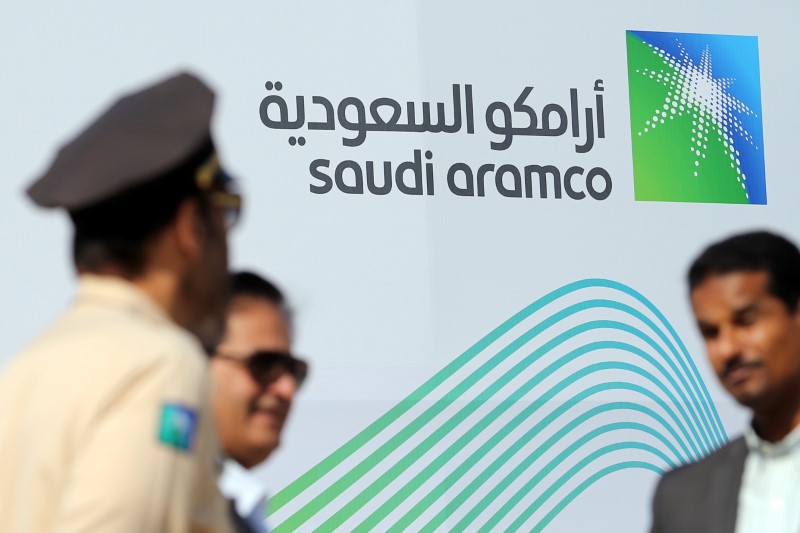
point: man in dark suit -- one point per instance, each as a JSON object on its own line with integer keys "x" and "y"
{"x": 255, "y": 378}
{"x": 744, "y": 294}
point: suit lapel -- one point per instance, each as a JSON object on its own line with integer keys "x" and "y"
{"x": 240, "y": 525}
{"x": 726, "y": 480}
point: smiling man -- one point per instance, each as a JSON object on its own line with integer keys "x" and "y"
{"x": 255, "y": 378}
{"x": 744, "y": 293}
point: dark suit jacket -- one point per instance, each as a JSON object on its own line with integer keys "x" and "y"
{"x": 701, "y": 497}
{"x": 240, "y": 525}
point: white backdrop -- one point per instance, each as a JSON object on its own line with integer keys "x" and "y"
{"x": 390, "y": 289}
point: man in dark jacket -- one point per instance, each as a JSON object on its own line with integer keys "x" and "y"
{"x": 744, "y": 293}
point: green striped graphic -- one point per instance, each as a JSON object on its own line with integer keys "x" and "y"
{"x": 692, "y": 422}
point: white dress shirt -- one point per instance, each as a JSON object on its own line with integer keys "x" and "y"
{"x": 248, "y": 493}
{"x": 769, "y": 499}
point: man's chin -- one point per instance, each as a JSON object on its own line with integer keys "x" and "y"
{"x": 254, "y": 455}
{"x": 264, "y": 442}
{"x": 752, "y": 399}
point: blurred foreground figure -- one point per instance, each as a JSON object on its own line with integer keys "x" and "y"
{"x": 255, "y": 378}
{"x": 105, "y": 424}
{"x": 744, "y": 293}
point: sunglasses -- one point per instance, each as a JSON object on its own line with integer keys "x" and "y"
{"x": 231, "y": 203}
{"x": 221, "y": 189}
{"x": 267, "y": 367}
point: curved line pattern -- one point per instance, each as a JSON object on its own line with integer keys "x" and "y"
{"x": 585, "y": 485}
{"x": 428, "y": 472}
{"x": 517, "y": 446}
{"x": 683, "y": 423}
{"x": 563, "y": 456}
{"x": 519, "y": 470}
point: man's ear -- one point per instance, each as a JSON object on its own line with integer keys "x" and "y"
{"x": 187, "y": 227}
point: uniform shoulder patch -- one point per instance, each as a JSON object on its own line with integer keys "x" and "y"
{"x": 178, "y": 426}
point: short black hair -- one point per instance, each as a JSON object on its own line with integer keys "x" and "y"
{"x": 247, "y": 283}
{"x": 753, "y": 251}
{"x": 117, "y": 230}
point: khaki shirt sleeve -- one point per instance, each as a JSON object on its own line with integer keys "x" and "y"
{"x": 124, "y": 478}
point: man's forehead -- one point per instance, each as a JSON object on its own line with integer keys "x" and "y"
{"x": 243, "y": 302}
{"x": 256, "y": 324}
{"x": 731, "y": 289}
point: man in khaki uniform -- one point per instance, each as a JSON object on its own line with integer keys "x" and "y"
{"x": 104, "y": 419}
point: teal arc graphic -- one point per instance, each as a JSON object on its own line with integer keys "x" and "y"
{"x": 547, "y": 373}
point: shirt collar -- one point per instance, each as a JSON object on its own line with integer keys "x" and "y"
{"x": 243, "y": 487}
{"x": 120, "y": 293}
{"x": 789, "y": 445}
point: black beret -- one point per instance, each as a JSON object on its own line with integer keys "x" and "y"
{"x": 140, "y": 138}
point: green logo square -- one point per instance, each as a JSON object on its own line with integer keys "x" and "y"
{"x": 696, "y": 124}
{"x": 178, "y": 425}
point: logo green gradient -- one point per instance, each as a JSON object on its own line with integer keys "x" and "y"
{"x": 695, "y": 118}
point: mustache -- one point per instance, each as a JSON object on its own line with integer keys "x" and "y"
{"x": 273, "y": 404}
{"x": 736, "y": 364}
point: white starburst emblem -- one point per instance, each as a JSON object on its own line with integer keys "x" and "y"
{"x": 693, "y": 89}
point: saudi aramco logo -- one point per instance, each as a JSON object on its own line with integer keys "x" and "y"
{"x": 696, "y": 118}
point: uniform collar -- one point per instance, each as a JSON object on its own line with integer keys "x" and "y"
{"x": 119, "y": 292}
